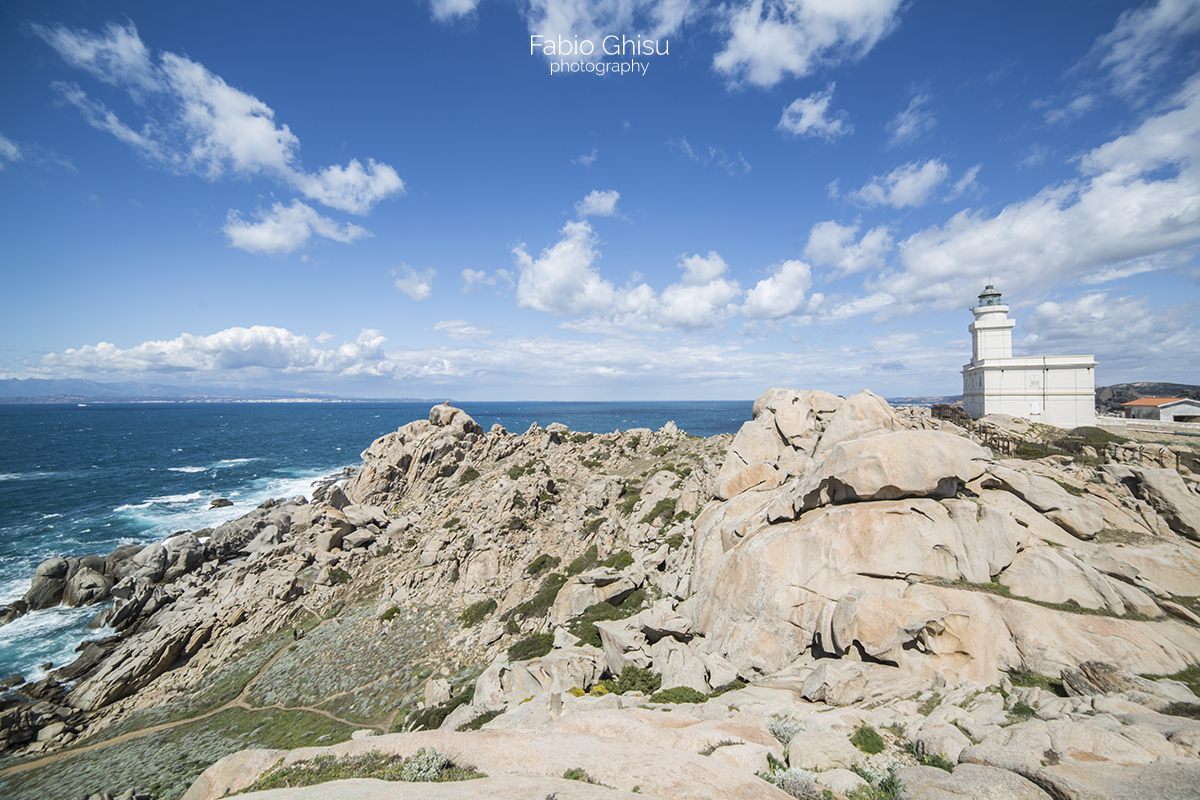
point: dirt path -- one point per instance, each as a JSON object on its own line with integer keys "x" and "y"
{"x": 237, "y": 702}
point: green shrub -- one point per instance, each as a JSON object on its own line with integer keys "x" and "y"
{"x": 618, "y": 560}
{"x": 577, "y": 774}
{"x": 515, "y": 472}
{"x": 481, "y": 720}
{"x": 1022, "y": 677}
{"x": 542, "y": 562}
{"x": 469, "y": 474}
{"x": 424, "y": 765}
{"x": 634, "y": 679}
{"x": 869, "y": 740}
{"x": 515, "y": 523}
{"x": 591, "y": 526}
{"x": 519, "y": 500}
{"x": 783, "y": 728}
{"x": 678, "y": 694}
{"x": 540, "y": 603}
{"x": 453, "y": 522}
{"x": 675, "y": 541}
{"x": 390, "y": 614}
{"x": 630, "y": 499}
{"x": 1022, "y": 710}
{"x": 428, "y": 719}
{"x": 339, "y": 576}
{"x": 534, "y": 645}
{"x": 584, "y": 628}
{"x": 661, "y": 450}
{"x": 732, "y": 686}
{"x": 634, "y": 442}
{"x": 584, "y": 562}
{"x": 475, "y": 612}
{"x": 663, "y": 508}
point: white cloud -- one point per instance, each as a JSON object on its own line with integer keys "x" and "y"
{"x": 199, "y": 124}
{"x": 598, "y": 204}
{"x": 1136, "y": 196}
{"x": 256, "y": 348}
{"x": 8, "y": 151}
{"x": 909, "y": 124}
{"x": 809, "y": 116}
{"x": 475, "y": 278}
{"x": 870, "y": 304}
{"x": 587, "y": 160}
{"x": 966, "y": 183}
{"x": 831, "y": 244}
{"x": 771, "y": 39}
{"x": 908, "y": 185}
{"x": 702, "y": 298}
{"x": 462, "y": 330}
{"x": 1077, "y": 107}
{"x": 1124, "y": 333}
{"x": 444, "y": 10}
{"x": 285, "y": 228}
{"x": 562, "y": 280}
{"x": 417, "y": 285}
{"x": 1143, "y": 41}
{"x": 592, "y": 21}
{"x": 712, "y": 155}
{"x": 782, "y": 294}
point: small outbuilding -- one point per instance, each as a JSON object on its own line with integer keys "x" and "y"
{"x": 1163, "y": 409}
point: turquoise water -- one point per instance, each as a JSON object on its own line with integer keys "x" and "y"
{"x": 79, "y": 480}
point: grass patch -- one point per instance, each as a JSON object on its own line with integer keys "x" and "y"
{"x": 663, "y": 508}
{"x": 618, "y": 560}
{"x": 1189, "y": 677}
{"x": 1021, "y": 711}
{"x": 678, "y": 694}
{"x": 469, "y": 474}
{"x": 869, "y": 740}
{"x": 428, "y": 719}
{"x": 675, "y": 541}
{"x": 633, "y": 495}
{"x": 516, "y": 471}
{"x": 732, "y": 686}
{"x": 584, "y": 627}
{"x": 584, "y": 562}
{"x": 1023, "y": 677}
{"x": 1070, "y": 606}
{"x": 534, "y": 645}
{"x": 475, "y": 612}
{"x": 542, "y": 563}
{"x": 481, "y": 720}
{"x": 339, "y": 576}
{"x": 577, "y": 774}
{"x": 540, "y": 603}
{"x": 425, "y": 766}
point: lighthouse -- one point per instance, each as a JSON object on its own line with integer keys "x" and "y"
{"x": 1054, "y": 390}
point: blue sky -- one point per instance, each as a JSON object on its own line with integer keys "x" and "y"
{"x": 401, "y": 199}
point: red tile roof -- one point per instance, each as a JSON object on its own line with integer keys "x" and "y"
{"x": 1153, "y": 401}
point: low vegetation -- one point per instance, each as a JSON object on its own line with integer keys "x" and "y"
{"x": 426, "y": 766}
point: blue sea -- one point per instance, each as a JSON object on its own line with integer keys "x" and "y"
{"x": 76, "y": 479}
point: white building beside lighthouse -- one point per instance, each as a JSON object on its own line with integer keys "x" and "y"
{"x": 1054, "y": 390}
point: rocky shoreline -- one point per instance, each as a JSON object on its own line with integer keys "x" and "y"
{"x": 842, "y": 598}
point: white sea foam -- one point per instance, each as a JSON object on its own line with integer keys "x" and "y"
{"x": 51, "y": 516}
{"x": 172, "y": 499}
{"x": 187, "y": 469}
{"x": 132, "y": 506}
{"x": 237, "y": 460}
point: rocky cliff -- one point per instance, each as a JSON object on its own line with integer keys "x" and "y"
{"x": 837, "y": 595}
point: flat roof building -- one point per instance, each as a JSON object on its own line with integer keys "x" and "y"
{"x": 1054, "y": 390}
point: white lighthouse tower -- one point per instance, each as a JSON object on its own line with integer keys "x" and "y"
{"x": 1055, "y": 390}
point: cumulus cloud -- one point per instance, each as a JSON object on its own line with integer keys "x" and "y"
{"x": 565, "y": 281}
{"x": 702, "y": 298}
{"x": 909, "y": 124}
{"x": 1135, "y": 196}
{"x": 417, "y": 285}
{"x": 769, "y": 40}
{"x": 1143, "y": 41}
{"x": 809, "y": 116}
{"x": 598, "y": 204}
{"x": 782, "y": 294}
{"x": 833, "y": 245}
{"x": 8, "y": 151}
{"x": 909, "y": 185}
{"x": 198, "y": 124}
{"x": 285, "y": 228}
